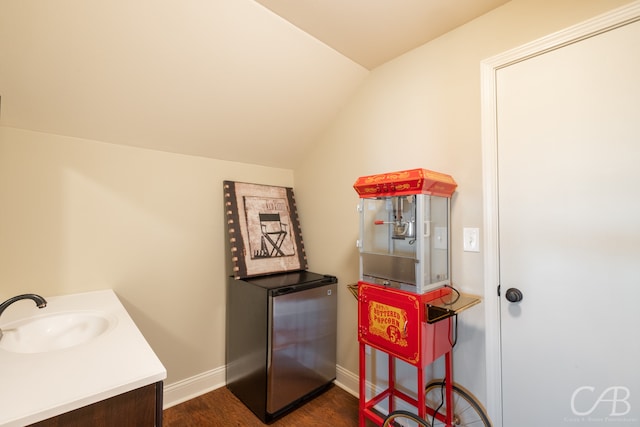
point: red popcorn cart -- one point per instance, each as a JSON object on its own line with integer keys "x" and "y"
{"x": 405, "y": 299}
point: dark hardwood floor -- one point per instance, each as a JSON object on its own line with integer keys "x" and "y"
{"x": 335, "y": 407}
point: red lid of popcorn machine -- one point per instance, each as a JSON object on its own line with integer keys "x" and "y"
{"x": 412, "y": 181}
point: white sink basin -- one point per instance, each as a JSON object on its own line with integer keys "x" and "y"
{"x": 53, "y": 332}
{"x": 80, "y": 349}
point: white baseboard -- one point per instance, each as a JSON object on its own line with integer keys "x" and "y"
{"x": 205, "y": 382}
{"x": 195, "y": 386}
{"x": 347, "y": 380}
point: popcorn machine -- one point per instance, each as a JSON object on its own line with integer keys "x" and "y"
{"x": 405, "y": 301}
{"x": 404, "y": 229}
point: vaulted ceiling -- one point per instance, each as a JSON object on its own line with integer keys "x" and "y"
{"x": 372, "y": 32}
{"x": 254, "y": 81}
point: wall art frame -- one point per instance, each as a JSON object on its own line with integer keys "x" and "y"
{"x": 263, "y": 228}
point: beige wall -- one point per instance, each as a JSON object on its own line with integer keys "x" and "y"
{"x": 421, "y": 110}
{"x": 81, "y": 215}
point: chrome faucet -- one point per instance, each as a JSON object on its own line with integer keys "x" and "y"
{"x": 40, "y": 302}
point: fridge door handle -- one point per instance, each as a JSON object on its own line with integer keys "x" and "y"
{"x": 283, "y": 291}
{"x": 329, "y": 279}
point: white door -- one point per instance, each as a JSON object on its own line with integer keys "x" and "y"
{"x": 568, "y": 167}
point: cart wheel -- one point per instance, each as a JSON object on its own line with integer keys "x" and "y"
{"x": 403, "y": 416}
{"x": 467, "y": 410}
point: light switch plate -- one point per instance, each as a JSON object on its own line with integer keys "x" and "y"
{"x": 471, "y": 239}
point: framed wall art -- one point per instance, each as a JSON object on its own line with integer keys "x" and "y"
{"x": 263, "y": 228}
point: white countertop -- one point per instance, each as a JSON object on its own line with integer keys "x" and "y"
{"x": 37, "y": 386}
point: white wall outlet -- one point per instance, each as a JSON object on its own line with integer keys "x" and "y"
{"x": 471, "y": 239}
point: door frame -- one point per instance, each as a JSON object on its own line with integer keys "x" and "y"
{"x": 488, "y": 73}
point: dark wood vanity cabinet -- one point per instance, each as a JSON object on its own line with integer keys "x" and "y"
{"x": 141, "y": 407}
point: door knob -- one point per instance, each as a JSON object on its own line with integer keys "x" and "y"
{"x": 513, "y": 295}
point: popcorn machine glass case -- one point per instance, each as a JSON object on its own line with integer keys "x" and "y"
{"x": 404, "y": 229}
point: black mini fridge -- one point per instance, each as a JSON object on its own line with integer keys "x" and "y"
{"x": 280, "y": 340}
